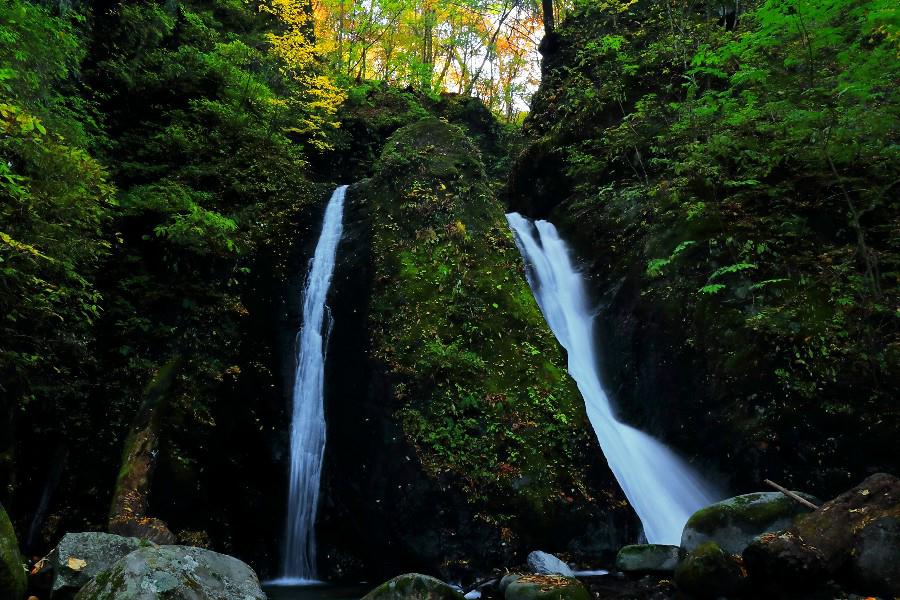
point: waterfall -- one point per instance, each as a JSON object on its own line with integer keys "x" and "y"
{"x": 663, "y": 489}
{"x": 308, "y": 416}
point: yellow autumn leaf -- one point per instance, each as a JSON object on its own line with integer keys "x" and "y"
{"x": 76, "y": 564}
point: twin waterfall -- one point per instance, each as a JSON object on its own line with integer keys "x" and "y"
{"x": 308, "y": 417}
{"x": 662, "y": 488}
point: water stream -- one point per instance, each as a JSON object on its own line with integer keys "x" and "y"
{"x": 308, "y": 416}
{"x": 663, "y": 489}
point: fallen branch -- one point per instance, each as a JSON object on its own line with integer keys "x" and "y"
{"x": 791, "y": 494}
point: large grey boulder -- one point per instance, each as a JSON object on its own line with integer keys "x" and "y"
{"x": 414, "y": 586}
{"x": 640, "y": 559}
{"x": 79, "y": 557}
{"x": 542, "y": 563}
{"x": 546, "y": 587}
{"x": 174, "y": 573}
{"x": 12, "y": 573}
{"x": 733, "y": 523}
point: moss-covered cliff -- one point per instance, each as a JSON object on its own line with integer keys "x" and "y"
{"x": 476, "y": 446}
{"x": 738, "y": 217}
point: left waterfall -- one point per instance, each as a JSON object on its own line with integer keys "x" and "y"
{"x": 308, "y": 416}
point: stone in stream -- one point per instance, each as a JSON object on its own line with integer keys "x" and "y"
{"x": 174, "y": 573}
{"x": 733, "y": 523}
{"x": 642, "y": 559}
{"x": 546, "y": 587}
{"x": 710, "y": 572}
{"x": 79, "y": 557}
{"x": 542, "y": 563}
{"x": 414, "y": 586}
{"x": 783, "y": 561}
{"x": 12, "y": 573}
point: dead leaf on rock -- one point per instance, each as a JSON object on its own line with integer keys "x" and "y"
{"x": 76, "y": 564}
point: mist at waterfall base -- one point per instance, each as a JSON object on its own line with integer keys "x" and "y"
{"x": 663, "y": 489}
{"x": 308, "y": 409}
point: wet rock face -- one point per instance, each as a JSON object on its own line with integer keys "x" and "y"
{"x": 175, "y": 573}
{"x": 12, "y": 575}
{"x": 80, "y": 557}
{"x": 647, "y": 558}
{"x": 733, "y": 523}
{"x": 414, "y": 586}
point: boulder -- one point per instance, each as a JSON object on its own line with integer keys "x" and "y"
{"x": 174, "y": 573}
{"x": 506, "y": 580}
{"x": 80, "y": 557}
{"x": 875, "y": 562}
{"x": 642, "y": 559}
{"x": 784, "y": 561}
{"x": 546, "y": 587}
{"x": 414, "y": 586}
{"x": 542, "y": 563}
{"x": 834, "y": 526}
{"x": 733, "y": 523}
{"x": 12, "y": 573}
{"x": 710, "y": 572}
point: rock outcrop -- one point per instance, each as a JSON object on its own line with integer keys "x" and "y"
{"x": 710, "y": 572}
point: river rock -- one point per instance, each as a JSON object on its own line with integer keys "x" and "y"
{"x": 175, "y": 573}
{"x": 640, "y": 559}
{"x": 80, "y": 557}
{"x": 414, "y": 586}
{"x": 733, "y": 523}
{"x": 833, "y": 527}
{"x": 875, "y": 559}
{"x": 784, "y": 561}
{"x": 12, "y": 573}
{"x": 506, "y": 580}
{"x": 546, "y": 587}
{"x": 542, "y": 563}
{"x": 710, "y": 572}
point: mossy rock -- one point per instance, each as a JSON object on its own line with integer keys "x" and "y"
{"x": 174, "y": 573}
{"x": 546, "y": 587}
{"x": 414, "y": 586}
{"x": 733, "y": 523}
{"x": 710, "y": 572}
{"x": 647, "y": 558}
{"x": 79, "y": 557}
{"x": 12, "y": 574}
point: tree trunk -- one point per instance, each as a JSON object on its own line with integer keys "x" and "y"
{"x": 549, "y": 22}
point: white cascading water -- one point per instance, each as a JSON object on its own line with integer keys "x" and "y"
{"x": 308, "y": 417}
{"x": 663, "y": 489}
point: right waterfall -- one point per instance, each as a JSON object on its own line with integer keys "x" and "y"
{"x": 663, "y": 489}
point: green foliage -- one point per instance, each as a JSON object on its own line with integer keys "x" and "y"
{"x": 771, "y": 145}
{"x": 481, "y": 382}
